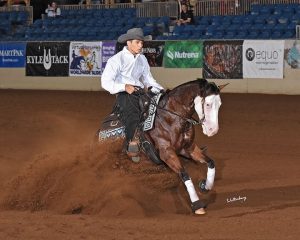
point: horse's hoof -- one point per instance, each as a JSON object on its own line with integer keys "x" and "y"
{"x": 202, "y": 186}
{"x": 200, "y": 211}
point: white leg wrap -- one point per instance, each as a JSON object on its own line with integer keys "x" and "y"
{"x": 210, "y": 178}
{"x": 191, "y": 190}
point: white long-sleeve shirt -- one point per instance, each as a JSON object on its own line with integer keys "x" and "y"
{"x": 125, "y": 68}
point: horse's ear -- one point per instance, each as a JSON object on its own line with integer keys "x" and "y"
{"x": 222, "y": 86}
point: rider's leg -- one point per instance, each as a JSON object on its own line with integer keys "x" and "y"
{"x": 130, "y": 114}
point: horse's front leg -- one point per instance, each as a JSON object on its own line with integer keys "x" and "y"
{"x": 195, "y": 153}
{"x": 169, "y": 156}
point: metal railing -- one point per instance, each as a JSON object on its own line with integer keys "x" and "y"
{"x": 147, "y": 9}
{"x": 231, "y": 7}
{"x": 298, "y": 32}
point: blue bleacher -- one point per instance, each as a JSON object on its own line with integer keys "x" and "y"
{"x": 274, "y": 21}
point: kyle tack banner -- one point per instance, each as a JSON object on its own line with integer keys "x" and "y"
{"x": 47, "y": 58}
{"x": 85, "y": 59}
{"x": 263, "y": 59}
{"x": 183, "y": 54}
{"x": 12, "y": 55}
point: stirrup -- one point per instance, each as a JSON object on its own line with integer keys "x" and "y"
{"x": 133, "y": 151}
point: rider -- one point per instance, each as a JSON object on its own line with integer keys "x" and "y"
{"x": 124, "y": 74}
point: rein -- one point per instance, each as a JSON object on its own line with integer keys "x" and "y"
{"x": 189, "y": 120}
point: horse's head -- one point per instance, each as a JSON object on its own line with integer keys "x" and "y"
{"x": 207, "y": 106}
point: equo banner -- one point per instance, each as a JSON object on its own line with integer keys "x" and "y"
{"x": 85, "y": 59}
{"x": 12, "y": 55}
{"x": 263, "y": 59}
{"x": 47, "y": 58}
{"x": 223, "y": 59}
{"x": 183, "y": 54}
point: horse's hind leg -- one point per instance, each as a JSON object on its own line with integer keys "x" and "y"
{"x": 169, "y": 156}
{"x": 195, "y": 153}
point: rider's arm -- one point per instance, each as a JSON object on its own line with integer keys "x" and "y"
{"x": 109, "y": 75}
{"x": 149, "y": 81}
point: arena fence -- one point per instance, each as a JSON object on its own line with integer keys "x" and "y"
{"x": 171, "y": 8}
{"x": 149, "y": 9}
{"x": 232, "y": 7}
{"x": 20, "y": 8}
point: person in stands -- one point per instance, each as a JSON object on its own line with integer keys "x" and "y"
{"x": 186, "y": 16}
{"x": 53, "y": 10}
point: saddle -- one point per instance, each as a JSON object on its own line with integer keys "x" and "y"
{"x": 113, "y": 128}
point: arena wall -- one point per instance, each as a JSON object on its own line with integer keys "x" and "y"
{"x": 14, "y": 78}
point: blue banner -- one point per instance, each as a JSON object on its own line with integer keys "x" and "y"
{"x": 12, "y": 55}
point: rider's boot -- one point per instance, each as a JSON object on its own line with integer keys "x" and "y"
{"x": 133, "y": 149}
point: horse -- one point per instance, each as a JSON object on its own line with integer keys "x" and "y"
{"x": 173, "y": 132}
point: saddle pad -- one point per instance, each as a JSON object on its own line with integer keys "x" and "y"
{"x": 111, "y": 128}
{"x": 148, "y": 124}
{"x": 115, "y": 133}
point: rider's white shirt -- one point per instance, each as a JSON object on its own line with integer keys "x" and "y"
{"x": 125, "y": 68}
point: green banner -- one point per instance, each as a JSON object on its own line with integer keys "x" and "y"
{"x": 183, "y": 54}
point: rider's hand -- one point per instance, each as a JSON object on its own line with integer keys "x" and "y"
{"x": 129, "y": 88}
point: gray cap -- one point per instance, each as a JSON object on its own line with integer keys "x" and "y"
{"x": 132, "y": 34}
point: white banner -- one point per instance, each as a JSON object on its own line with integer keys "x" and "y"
{"x": 85, "y": 59}
{"x": 263, "y": 59}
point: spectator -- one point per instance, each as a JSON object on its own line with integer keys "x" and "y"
{"x": 186, "y": 16}
{"x": 53, "y": 10}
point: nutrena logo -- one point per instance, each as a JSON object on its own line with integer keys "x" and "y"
{"x": 170, "y": 55}
{"x": 183, "y": 55}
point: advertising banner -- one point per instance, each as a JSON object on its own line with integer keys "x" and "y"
{"x": 85, "y": 59}
{"x": 292, "y": 54}
{"x": 183, "y": 54}
{"x": 223, "y": 59}
{"x": 47, "y": 58}
{"x": 263, "y": 59}
{"x": 12, "y": 55}
{"x": 108, "y": 50}
{"x": 154, "y": 52}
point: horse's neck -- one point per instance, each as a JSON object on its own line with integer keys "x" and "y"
{"x": 181, "y": 100}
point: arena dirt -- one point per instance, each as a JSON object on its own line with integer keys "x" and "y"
{"x": 57, "y": 183}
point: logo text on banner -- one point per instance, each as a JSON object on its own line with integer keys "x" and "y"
{"x": 183, "y": 54}
{"x": 263, "y": 59}
{"x": 12, "y": 55}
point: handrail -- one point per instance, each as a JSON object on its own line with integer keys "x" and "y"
{"x": 232, "y": 7}
{"x": 146, "y": 9}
